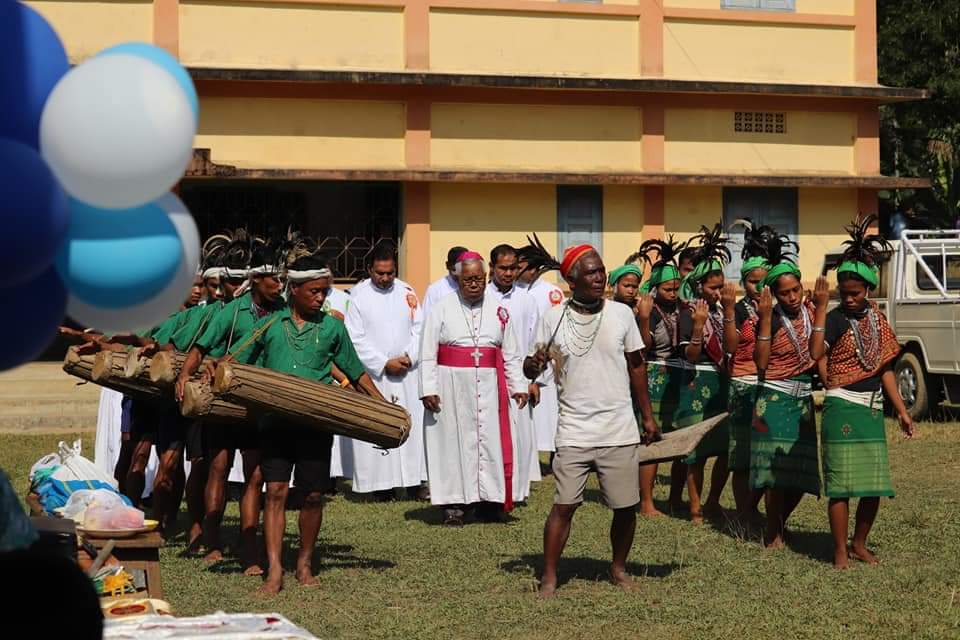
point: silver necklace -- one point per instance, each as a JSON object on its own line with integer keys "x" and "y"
{"x": 579, "y": 343}
{"x": 792, "y": 333}
{"x": 869, "y": 346}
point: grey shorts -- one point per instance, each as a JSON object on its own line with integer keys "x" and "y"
{"x": 617, "y": 468}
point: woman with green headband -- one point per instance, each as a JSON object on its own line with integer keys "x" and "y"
{"x": 707, "y": 335}
{"x": 743, "y": 369}
{"x": 783, "y": 446}
{"x": 625, "y": 281}
{"x": 657, "y": 314}
{"x": 860, "y": 347}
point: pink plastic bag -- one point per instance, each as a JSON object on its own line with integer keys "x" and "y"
{"x": 104, "y": 519}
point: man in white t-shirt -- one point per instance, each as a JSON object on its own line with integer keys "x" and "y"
{"x": 603, "y": 374}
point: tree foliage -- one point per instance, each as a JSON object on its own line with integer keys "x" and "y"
{"x": 919, "y": 46}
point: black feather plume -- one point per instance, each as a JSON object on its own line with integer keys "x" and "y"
{"x": 779, "y": 248}
{"x": 710, "y": 245}
{"x": 666, "y": 251}
{"x": 870, "y": 249}
{"x": 240, "y": 251}
{"x": 214, "y": 250}
{"x": 536, "y": 257}
{"x": 754, "y": 238}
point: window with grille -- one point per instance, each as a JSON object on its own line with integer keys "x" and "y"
{"x": 759, "y": 122}
{"x": 760, "y": 5}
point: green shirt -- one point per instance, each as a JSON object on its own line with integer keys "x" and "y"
{"x": 171, "y": 325}
{"x": 225, "y": 328}
{"x": 194, "y": 324}
{"x": 306, "y": 352}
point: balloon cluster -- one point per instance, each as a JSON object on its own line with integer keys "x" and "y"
{"x": 89, "y": 156}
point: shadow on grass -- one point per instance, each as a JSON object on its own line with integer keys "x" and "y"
{"x": 816, "y": 545}
{"x": 581, "y": 568}
{"x": 433, "y": 515}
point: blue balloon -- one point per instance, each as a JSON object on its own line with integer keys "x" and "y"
{"x": 34, "y": 211}
{"x": 116, "y": 258}
{"x": 32, "y": 60}
{"x": 41, "y": 305}
{"x": 162, "y": 58}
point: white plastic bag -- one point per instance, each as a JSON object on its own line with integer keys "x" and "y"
{"x": 81, "y": 500}
{"x": 78, "y": 467}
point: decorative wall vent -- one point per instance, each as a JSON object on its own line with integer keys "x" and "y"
{"x": 759, "y": 122}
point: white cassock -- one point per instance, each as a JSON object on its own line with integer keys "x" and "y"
{"x": 437, "y": 291}
{"x": 384, "y": 325}
{"x": 546, "y": 414}
{"x": 341, "y": 456}
{"x": 524, "y": 315}
{"x": 106, "y": 446}
{"x": 464, "y": 455}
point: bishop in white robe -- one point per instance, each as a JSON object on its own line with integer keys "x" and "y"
{"x": 470, "y": 368}
{"x": 384, "y": 324}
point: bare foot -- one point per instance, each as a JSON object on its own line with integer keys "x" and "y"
{"x": 272, "y": 585}
{"x": 215, "y": 555}
{"x": 651, "y": 512}
{"x": 696, "y": 517}
{"x": 546, "y": 591}
{"x": 307, "y": 579}
{"x": 841, "y": 560}
{"x": 621, "y": 579}
{"x": 773, "y": 543}
{"x": 253, "y": 570}
{"x": 863, "y": 555}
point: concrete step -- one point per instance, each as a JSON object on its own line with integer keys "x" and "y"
{"x": 41, "y": 397}
{"x": 47, "y": 424}
{"x": 48, "y": 404}
{"x": 35, "y": 371}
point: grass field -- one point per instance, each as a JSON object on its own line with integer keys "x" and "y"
{"x": 390, "y": 570}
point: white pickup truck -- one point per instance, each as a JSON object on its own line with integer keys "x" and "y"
{"x": 920, "y": 294}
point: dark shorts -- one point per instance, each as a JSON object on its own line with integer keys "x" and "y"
{"x": 126, "y": 417}
{"x": 290, "y": 448}
{"x": 194, "y": 443}
{"x": 231, "y": 436}
{"x": 144, "y": 420}
{"x": 172, "y": 429}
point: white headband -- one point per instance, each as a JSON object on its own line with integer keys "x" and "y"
{"x": 263, "y": 270}
{"x": 299, "y": 277}
{"x": 235, "y": 273}
{"x": 213, "y": 272}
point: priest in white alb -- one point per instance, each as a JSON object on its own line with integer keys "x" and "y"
{"x": 383, "y": 322}
{"x": 523, "y": 314}
{"x": 470, "y": 372}
{"x": 546, "y": 414}
{"x": 440, "y": 289}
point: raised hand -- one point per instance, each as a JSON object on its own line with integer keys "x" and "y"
{"x": 821, "y": 293}
{"x": 728, "y": 295}
{"x": 765, "y": 306}
{"x": 701, "y": 310}
{"x": 644, "y": 306}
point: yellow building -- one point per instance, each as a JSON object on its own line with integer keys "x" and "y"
{"x": 442, "y": 122}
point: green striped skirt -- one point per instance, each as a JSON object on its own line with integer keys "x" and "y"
{"x": 663, "y": 382}
{"x": 703, "y": 394}
{"x": 783, "y": 445}
{"x": 743, "y": 397}
{"x": 855, "y": 463}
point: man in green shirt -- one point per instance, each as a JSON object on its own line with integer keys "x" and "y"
{"x": 223, "y": 330}
{"x": 301, "y": 340}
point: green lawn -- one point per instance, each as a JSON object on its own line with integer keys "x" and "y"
{"x": 389, "y": 570}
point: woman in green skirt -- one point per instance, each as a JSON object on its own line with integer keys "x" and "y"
{"x": 707, "y": 335}
{"x": 860, "y": 347}
{"x": 743, "y": 369}
{"x": 783, "y": 446}
{"x": 657, "y": 314}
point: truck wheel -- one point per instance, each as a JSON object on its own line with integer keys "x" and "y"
{"x": 912, "y": 383}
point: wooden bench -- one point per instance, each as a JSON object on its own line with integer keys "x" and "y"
{"x": 139, "y": 552}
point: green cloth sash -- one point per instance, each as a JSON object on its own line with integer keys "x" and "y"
{"x": 870, "y": 274}
{"x": 658, "y": 275}
{"x": 623, "y": 270}
{"x": 703, "y": 394}
{"x": 756, "y": 262}
{"x": 663, "y": 384}
{"x": 688, "y": 287}
{"x": 855, "y": 463}
{"x": 783, "y": 445}
{"x": 743, "y": 397}
{"x": 782, "y": 269}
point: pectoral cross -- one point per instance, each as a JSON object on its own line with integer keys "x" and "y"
{"x": 476, "y": 357}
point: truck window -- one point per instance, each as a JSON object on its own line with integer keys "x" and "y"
{"x": 936, "y": 266}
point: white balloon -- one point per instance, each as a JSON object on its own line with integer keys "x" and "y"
{"x": 117, "y": 131}
{"x": 157, "y": 309}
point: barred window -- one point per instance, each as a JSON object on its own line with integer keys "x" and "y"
{"x": 759, "y": 122}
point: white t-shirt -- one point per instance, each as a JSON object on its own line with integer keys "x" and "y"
{"x": 596, "y": 407}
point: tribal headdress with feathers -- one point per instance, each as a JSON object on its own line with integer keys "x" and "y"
{"x": 781, "y": 256}
{"x": 754, "y": 251}
{"x": 237, "y": 256}
{"x": 863, "y": 253}
{"x": 212, "y": 254}
{"x": 711, "y": 253}
{"x": 664, "y": 268}
{"x": 536, "y": 257}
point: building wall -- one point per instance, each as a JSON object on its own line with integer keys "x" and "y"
{"x": 290, "y": 36}
{"x": 87, "y": 27}
{"x": 301, "y": 133}
{"x": 535, "y": 137}
{"x": 704, "y": 140}
{"x": 828, "y": 7}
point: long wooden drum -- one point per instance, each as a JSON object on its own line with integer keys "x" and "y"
{"x": 83, "y": 366}
{"x": 679, "y": 444}
{"x": 200, "y": 403}
{"x": 313, "y": 404}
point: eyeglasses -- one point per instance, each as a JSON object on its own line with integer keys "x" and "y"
{"x": 473, "y": 280}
